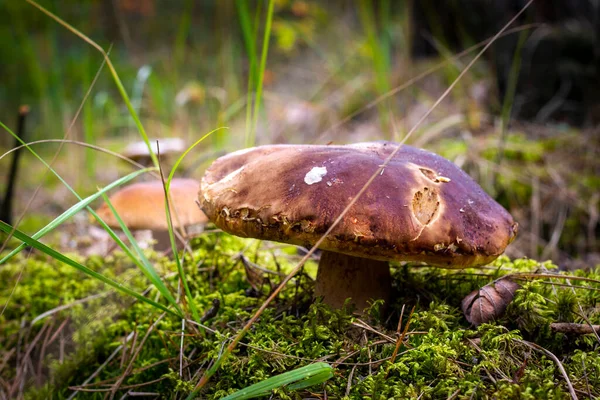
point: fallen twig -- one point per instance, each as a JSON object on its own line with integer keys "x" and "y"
{"x": 573, "y": 328}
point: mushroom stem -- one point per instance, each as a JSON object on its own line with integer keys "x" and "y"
{"x": 341, "y": 276}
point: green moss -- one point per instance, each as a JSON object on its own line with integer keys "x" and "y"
{"x": 440, "y": 357}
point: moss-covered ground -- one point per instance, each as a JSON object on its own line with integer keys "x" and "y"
{"x": 49, "y": 355}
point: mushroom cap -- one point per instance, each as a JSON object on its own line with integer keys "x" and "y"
{"x": 139, "y": 150}
{"x": 142, "y": 205}
{"x": 422, "y": 207}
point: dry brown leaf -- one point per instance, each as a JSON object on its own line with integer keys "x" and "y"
{"x": 489, "y": 302}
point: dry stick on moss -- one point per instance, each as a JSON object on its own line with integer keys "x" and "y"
{"x": 561, "y": 368}
{"x": 42, "y": 354}
{"x": 401, "y": 337}
{"x": 211, "y": 371}
{"x": 109, "y": 382}
{"x": 22, "y": 362}
{"x": 349, "y": 385}
{"x": 134, "y": 356}
{"x": 362, "y": 324}
{"x": 594, "y": 331}
{"x": 527, "y": 275}
{"x": 574, "y": 329}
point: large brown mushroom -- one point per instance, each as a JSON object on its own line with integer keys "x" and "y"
{"x": 421, "y": 208}
{"x": 141, "y": 206}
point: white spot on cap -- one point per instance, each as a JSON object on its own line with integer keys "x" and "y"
{"x": 231, "y": 175}
{"x": 315, "y": 175}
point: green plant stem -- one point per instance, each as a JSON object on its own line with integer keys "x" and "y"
{"x": 379, "y": 56}
{"x": 261, "y": 72}
{"x": 509, "y": 97}
{"x": 249, "y": 35}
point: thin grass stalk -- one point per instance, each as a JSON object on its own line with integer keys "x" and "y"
{"x": 167, "y": 186}
{"x": 88, "y": 125}
{"x": 188, "y": 293}
{"x": 249, "y": 35}
{"x": 144, "y": 263}
{"x": 379, "y": 56}
{"x": 261, "y": 71}
{"x": 509, "y": 96}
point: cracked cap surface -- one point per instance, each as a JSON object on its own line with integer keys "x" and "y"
{"x": 422, "y": 207}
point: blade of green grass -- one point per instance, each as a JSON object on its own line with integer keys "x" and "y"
{"x": 89, "y": 128}
{"x": 186, "y": 288}
{"x": 4, "y": 227}
{"x": 297, "y": 379}
{"x": 113, "y": 72}
{"x": 176, "y": 165}
{"x": 249, "y": 34}
{"x": 167, "y": 186}
{"x": 74, "y": 210}
{"x": 179, "y": 47}
{"x": 380, "y": 57}
{"x": 509, "y": 97}
{"x": 261, "y": 73}
{"x": 144, "y": 264}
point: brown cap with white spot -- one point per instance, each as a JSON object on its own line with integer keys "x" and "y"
{"x": 421, "y": 207}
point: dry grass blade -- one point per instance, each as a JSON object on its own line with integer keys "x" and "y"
{"x": 561, "y": 368}
{"x": 134, "y": 356}
{"x": 401, "y": 337}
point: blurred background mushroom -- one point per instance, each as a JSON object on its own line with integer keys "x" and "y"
{"x": 421, "y": 208}
{"x": 169, "y": 148}
{"x": 141, "y": 206}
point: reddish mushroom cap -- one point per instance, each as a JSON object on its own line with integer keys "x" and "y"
{"x": 422, "y": 207}
{"x": 142, "y": 205}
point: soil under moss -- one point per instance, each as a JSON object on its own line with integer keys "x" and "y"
{"x": 441, "y": 355}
